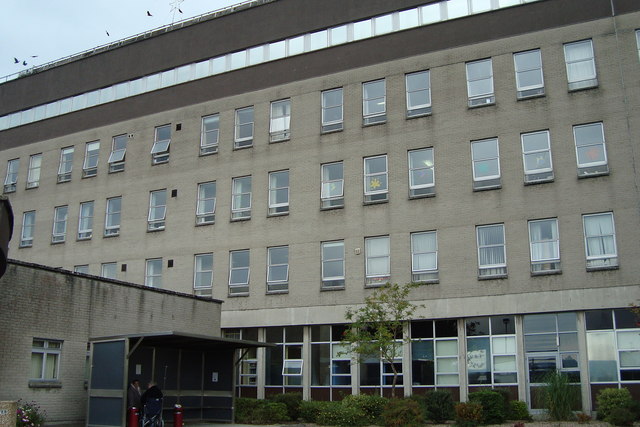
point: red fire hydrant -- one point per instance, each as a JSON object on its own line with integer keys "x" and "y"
{"x": 133, "y": 416}
{"x": 177, "y": 415}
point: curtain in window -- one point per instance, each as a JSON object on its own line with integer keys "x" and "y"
{"x": 377, "y": 257}
{"x": 36, "y": 365}
{"x": 580, "y": 65}
{"x": 544, "y": 244}
{"x": 491, "y": 245}
{"x": 424, "y": 252}
{"x": 280, "y": 116}
{"x": 599, "y": 232}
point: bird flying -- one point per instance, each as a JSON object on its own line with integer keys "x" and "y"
{"x": 149, "y": 13}
{"x": 16, "y": 61}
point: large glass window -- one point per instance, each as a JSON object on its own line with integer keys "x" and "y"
{"x": 210, "y": 134}
{"x": 161, "y": 142}
{"x": 112, "y": 216}
{"x": 332, "y": 192}
{"x": 241, "y": 198}
{"x": 206, "y": 205}
{"x": 492, "y": 257}
{"x": 280, "y": 124}
{"x": 485, "y": 156}
{"x": 118, "y": 151}
{"x": 157, "y": 210}
{"x": 333, "y": 264}
{"x": 284, "y": 361}
{"x": 11, "y": 178}
{"x": 590, "y": 150}
{"x": 45, "y": 359}
{"x": 244, "y": 128}
{"x": 491, "y": 350}
{"x": 279, "y": 193}
{"x": 418, "y": 87}
{"x": 434, "y": 352}
{"x": 239, "y": 272}
{"x": 28, "y": 226}
{"x": 91, "y": 155}
{"x": 248, "y": 365}
{"x": 536, "y": 157}
{"x": 59, "y": 233}
{"x": 480, "y": 83}
{"x": 529, "y": 80}
{"x": 85, "y": 221}
{"x": 374, "y": 102}
{"x": 203, "y": 271}
{"x": 330, "y": 359}
{"x": 545, "y": 246}
{"x": 278, "y": 269}
{"x": 33, "y": 177}
{"x": 376, "y": 179}
{"x": 66, "y": 164}
{"x": 153, "y": 273}
{"x": 424, "y": 257}
{"x": 421, "y": 173}
{"x": 377, "y": 253}
{"x": 600, "y": 241}
{"x": 581, "y": 65}
{"x": 332, "y": 110}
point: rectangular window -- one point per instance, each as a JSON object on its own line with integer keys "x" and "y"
{"x": 153, "y": 273}
{"x": 239, "y": 272}
{"x": 545, "y": 246}
{"x": 206, "y": 206}
{"x": 279, "y": 193}
{"x": 374, "y": 102}
{"x": 157, "y": 210}
{"x": 376, "y": 179}
{"x": 203, "y": 271}
{"x": 332, "y": 110}
{"x": 280, "y": 124}
{"x": 485, "y": 156}
{"x": 492, "y": 257}
{"x": 91, "y": 155}
{"x": 581, "y": 65}
{"x": 241, "y": 198}
{"x": 112, "y": 216}
{"x": 45, "y": 359}
{"x": 491, "y": 350}
{"x": 84, "y": 269}
{"x": 536, "y": 157}
{"x": 529, "y": 80}
{"x": 434, "y": 352}
{"x": 424, "y": 257}
{"x": 11, "y": 178}
{"x": 28, "y": 225}
{"x": 66, "y": 164}
{"x": 278, "y": 269}
{"x": 480, "y": 83}
{"x": 210, "y": 134}
{"x": 244, "y": 128}
{"x": 59, "y": 224}
{"x": 161, "y": 142}
{"x": 333, "y": 264}
{"x": 638, "y": 42}
{"x": 418, "y": 86}
{"x": 332, "y": 192}
{"x": 33, "y": 177}
{"x": 85, "y": 221}
{"x": 109, "y": 270}
{"x": 421, "y": 173}
{"x": 377, "y": 260}
{"x": 330, "y": 360}
{"x": 118, "y": 151}
{"x": 590, "y": 150}
{"x": 600, "y": 241}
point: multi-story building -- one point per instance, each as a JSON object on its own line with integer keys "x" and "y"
{"x": 289, "y": 156}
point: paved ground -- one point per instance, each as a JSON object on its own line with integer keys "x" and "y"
{"x": 527, "y": 424}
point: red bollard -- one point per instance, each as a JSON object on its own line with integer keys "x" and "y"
{"x": 133, "y": 416}
{"x": 177, "y": 415}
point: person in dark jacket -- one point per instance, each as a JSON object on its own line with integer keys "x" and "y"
{"x": 152, "y": 392}
{"x": 134, "y": 394}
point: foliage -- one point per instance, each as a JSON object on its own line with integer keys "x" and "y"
{"x": 378, "y": 323}
{"x": 309, "y": 409}
{"x": 337, "y": 414}
{"x": 468, "y": 414}
{"x": 493, "y": 406}
{"x": 257, "y": 411}
{"x": 370, "y": 406}
{"x": 402, "y": 412}
{"x": 244, "y": 409}
{"x": 438, "y": 406}
{"x": 560, "y": 396}
{"x": 609, "y": 399}
{"x": 620, "y": 417}
{"x": 583, "y": 418}
{"x": 518, "y": 411}
{"x": 29, "y": 414}
{"x": 292, "y": 401}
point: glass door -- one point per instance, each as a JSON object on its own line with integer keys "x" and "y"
{"x": 539, "y": 365}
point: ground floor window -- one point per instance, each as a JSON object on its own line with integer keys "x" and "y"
{"x": 434, "y": 352}
{"x": 45, "y": 359}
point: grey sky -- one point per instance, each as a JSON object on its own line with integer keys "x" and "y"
{"x": 54, "y": 29}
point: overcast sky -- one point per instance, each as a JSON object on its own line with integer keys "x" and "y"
{"x": 54, "y": 29}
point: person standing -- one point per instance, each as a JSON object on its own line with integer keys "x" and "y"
{"x": 134, "y": 394}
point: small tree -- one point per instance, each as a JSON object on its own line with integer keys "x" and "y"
{"x": 377, "y": 325}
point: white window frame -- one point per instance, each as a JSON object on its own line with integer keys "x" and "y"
{"x": 332, "y": 125}
{"x": 275, "y": 208}
{"x": 280, "y": 121}
{"x": 57, "y": 212}
{"x": 11, "y": 179}
{"x": 493, "y": 270}
{"x": 327, "y": 200}
{"x": 421, "y": 190}
{"x": 28, "y": 228}
{"x": 240, "y": 212}
{"x": 480, "y": 99}
{"x": 161, "y": 147}
{"x": 372, "y": 279}
{"x": 210, "y": 134}
{"x": 152, "y": 278}
{"x": 91, "y": 157}
{"x": 528, "y": 91}
{"x": 242, "y": 288}
{"x": 247, "y": 141}
{"x": 292, "y": 367}
{"x": 82, "y": 269}
{"x": 118, "y": 152}
{"x": 51, "y": 348}
{"x": 198, "y": 271}
{"x": 273, "y": 285}
{"x": 541, "y": 174}
{"x": 371, "y": 118}
{"x": 425, "y": 275}
{"x": 35, "y": 166}
{"x": 66, "y": 164}
{"x": 376, "y": 196}
{"x": 588, "y": 81}
{"x": 423, "y": 108}
{"x": 85, "y": 220}
{"x": 602, "y": 261}
{"x": 104, "y": 270}
{"x": 544, "y": 264}
{"x": 594, "y": 168}
{"x": 488, "y": 181}
{"x": 156, "y": 223}
{"x": 332, "y": 282}
{"x": 638, "y": 42}
{"x": 110, "y": 228}
{"x": 204, "y": 216}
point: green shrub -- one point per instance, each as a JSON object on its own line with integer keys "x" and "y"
{"x": 560, "y": 396}
{"x": 438, "y": 406}
{"x": 620, "y": 417}
{"x": 309, "y": 409}
{"x": 369, "y": 406}
{"x": 468, "y": 414}
{"x": 292, "y": 401}
{"x": 493, "y": 406}
{"x": 336, "y": 414}
{"x": 245, "y": 408}
{"x": 609, "y": 399}
{"x": 518, "y": 411}
{"x": 29, "y": 415}
{"x": 402, "y": 412}
{"x": 270, "y": 412}
{"x": 634, "y": 407}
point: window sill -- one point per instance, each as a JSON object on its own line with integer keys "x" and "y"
{"x": 488, "y": 104}
{"x": 155, "y": 230}
{"x": 493, "y": 277}
{"x": 32, "y": 187}
{"x": 603, "y": 268}
{"x": 367, "y": 125}
{"x": 107, "y": 236}
{"x": 580, "y": 89}
{"x": 545, "y": 273}
{"x": 243, "y": 147}
{"x": 211, "y": 153}
{"x": 276, "y": 141}
{"x": 283, "y": 292}
{"x": 526, "y": 98}
{"x": 376, "y": 285}
{"x": 240, "y": 219}
{"x": 539, "y": 181}
{"x": 329, "y": 289}
{"x": 375, "y": 202}
{"x": 239, "y": 294}
{"x": 487, "y": 188}
{"x": 427, "y": 282}
{"x": 277, "y": 214}
{"x": 203, "y": 224}
{"x": 327, "y": 132}
{"x": 582, "y": 173}
{"x": 84, "y": 239}
{"x": 410, "y": 116}
{"x": 58, "y": 243}
{"x": 331, "y": 208}
{"x": 45, "y": 384}
{"x": 422, "y": 196}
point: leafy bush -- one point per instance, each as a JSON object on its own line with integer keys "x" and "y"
{"x": 468, "y": 414}
{"x": 257, "y": 411}
{"x": 518, "y": 411}
{"x": 609, "y": 399}
{"x": 438, "y": 406}
{"x": 369, "y": 406}
{"x": 493, "y": 406}
{"x": 336, "y": 414}
{"x": 292, "y": 401}
{"x": 402, "y": 412}
{"x": 620, "y": 417}
{"x": 29, "y": 414}
{"x": 560, "y": 396}
{"x": 245, "y": 407}
{"x": 309, "y": 409}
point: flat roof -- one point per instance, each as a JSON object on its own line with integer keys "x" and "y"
{"x": 176, "y": 339}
